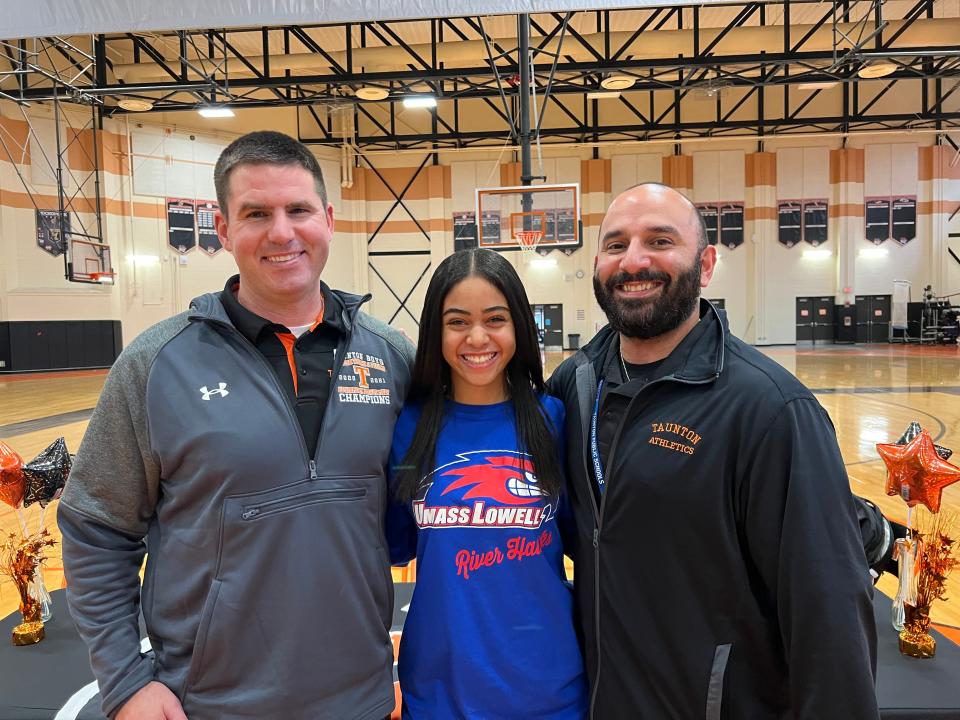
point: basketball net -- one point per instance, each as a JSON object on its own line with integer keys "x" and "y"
{"x": 528, "y": 240}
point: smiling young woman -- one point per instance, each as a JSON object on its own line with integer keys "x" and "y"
{"x": 478, "y": 499}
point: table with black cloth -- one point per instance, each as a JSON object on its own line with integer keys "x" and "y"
{"x": 37, "y": 681}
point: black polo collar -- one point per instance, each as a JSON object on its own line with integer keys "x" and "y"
{"x": 251, "y": 325}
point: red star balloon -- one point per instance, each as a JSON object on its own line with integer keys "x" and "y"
{"x": 916, "y": 473}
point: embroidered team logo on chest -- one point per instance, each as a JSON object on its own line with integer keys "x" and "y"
{"x": 674, "y": 436}
{"x": 363, "y": 379}
{"x": 495, "y": 488}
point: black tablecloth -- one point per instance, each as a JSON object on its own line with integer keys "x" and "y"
{"x": 36, "y": 681}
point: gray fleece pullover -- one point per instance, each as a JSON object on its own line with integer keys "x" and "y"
{"x": 267, "y": 591}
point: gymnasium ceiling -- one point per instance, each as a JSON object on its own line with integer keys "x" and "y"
{"x": 743, "y": 69}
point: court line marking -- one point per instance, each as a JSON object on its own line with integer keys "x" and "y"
{"x": 44, "y": 423}
{"x": 941, "y": 431}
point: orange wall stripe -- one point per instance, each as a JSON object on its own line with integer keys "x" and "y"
{"x": 358, "y": 190}
{"x": 15, "y": 134}
{"x": 510, "y": 174}
{"x": 846, "y": 165}
{"x": 592, "y": 218}
{"x": 432, "y": 182}
{"x": 760, "y": 213}
{"x": 394, "y": 226}
{"x": 595, "y": 176}
{"x": 842, "y": 210}
{"x": 678, "y": 171}
{"x": 112, "y": 151}
{"x": 934, "y": 162}
{"x": 760, "y": 169}
{"x": 22, "y": 201}
{"x": 938, "y": 207}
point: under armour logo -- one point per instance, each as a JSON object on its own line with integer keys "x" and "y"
{"x": 221, "y": 391}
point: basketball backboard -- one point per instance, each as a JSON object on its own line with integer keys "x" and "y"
{"x": 537, "y": 218}
{"x": 88, "y": 261}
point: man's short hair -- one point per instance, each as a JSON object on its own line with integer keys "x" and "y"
{"x": 264, "y": 147}
{"x": 701, "y": 223}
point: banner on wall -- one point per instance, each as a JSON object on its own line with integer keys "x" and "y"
{"x": 206, "y": 227}
{"x": 731, "y": 225}
{"x": 490, "y": 227}
{"x": 877, "y": 218}
{"x": 181, "y": 224}
{"x": 815, "y": 221}
{"x": 790, "y": 223}
{"x": 464, "y": 230}
{"x": 49, "y": 236}
{"x": 710, "y": 215}
{"x": 903, "y": 218}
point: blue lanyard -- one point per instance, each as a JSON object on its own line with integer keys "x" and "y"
{"x": 594, "y": 446}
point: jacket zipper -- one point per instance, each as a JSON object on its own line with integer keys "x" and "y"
{"x": 255, "y": 512}
{"x": 291, "y": 416}
{"x": 340, "y": 352}
{"x": 338, "y": 356}
{"x": 599, "y": 514}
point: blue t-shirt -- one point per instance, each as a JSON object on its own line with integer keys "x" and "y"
{"x": 490, "y": 630}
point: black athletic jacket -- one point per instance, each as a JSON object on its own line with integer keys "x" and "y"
{"x": 723, "y": 575}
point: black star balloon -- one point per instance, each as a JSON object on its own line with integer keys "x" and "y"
{"x": 912, "y": 431}
{"x": 45, "y": 475}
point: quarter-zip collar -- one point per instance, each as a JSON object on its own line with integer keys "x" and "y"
{"x": 210, "y": 307}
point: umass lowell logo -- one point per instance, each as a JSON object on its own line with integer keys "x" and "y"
{"x": 485, "y": 488}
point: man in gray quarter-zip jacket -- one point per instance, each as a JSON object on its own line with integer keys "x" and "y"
{"x": 720, "y": 569}
{"x": 242, "y": 445}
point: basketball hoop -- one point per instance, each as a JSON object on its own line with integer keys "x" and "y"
{"x": 528, "y": 240}
{"x": 104, "y": 278}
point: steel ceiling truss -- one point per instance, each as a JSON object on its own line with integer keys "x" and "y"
{"x": 200, "y": 73}
{"x": 64, "y": 73}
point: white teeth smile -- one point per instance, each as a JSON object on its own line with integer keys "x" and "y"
{"x": 282, "y": 258}
{"x": 639, "y": 286}
{"x": 478, "y": 359}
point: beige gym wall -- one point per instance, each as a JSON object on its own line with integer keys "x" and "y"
{"x": 759, "y": 280}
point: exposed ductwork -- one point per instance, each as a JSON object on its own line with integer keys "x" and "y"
{"x": 923, "y": 33}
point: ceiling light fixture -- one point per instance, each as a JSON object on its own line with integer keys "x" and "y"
{"x": 371, "y": 92}
{"x": 618, "y": 82}
{"x": 420, "y": 101}
{"x": 877, "y": 70}
{"x": 818, "y": 85}
{"x": 215, "y": 111}
{"x": 135, "y": 104}
{"x": 603, "y": 95}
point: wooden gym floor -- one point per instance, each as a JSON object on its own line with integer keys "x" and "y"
{"x": 872, "y": 392}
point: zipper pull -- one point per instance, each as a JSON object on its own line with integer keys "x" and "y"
{"x": 313, "y": 469}
{"x": 596, "y": 537}
{"x": 252, "y": 512}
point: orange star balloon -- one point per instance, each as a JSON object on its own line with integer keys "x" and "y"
{"x": 916, "y": 473}
{"x": 12, "y": 482}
